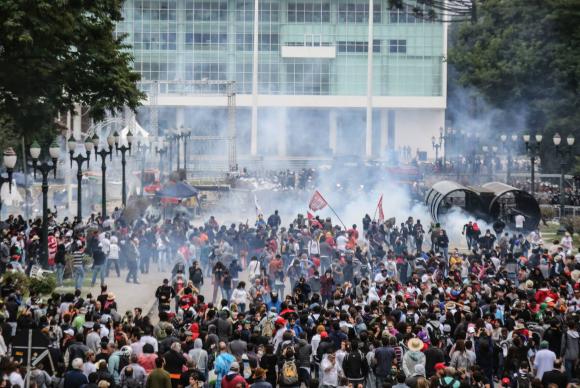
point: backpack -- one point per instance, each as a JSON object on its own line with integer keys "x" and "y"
{"x": 289, "y": 373}
{"x": 449, "y": 384}
{"x": 123, "y": 361}
{"x": 523, "y": 380}
{"x": 434, "y": 332}
{"x": 268, "y": 328}
{"x": 247, "y": 369}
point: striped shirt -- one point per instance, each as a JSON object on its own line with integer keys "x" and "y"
{"x": 78, "y": 257}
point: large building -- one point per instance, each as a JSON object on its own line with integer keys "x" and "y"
{"x": 301, "y": 73}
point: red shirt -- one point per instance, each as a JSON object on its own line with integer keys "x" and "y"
{"x": 230, "y": 380}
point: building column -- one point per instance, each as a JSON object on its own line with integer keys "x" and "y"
{"x": 180, "y": 42}
{"x": 254, "y": 127}
{"x": 282, "y": 133}
{"x": 369, "y": 126}
{"x": 384, "y": 132}
{"x": 333, "y": 124}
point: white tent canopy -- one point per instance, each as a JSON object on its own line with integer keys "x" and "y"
{"x": 138, "y": 131}
{"x": 10, "y": 197}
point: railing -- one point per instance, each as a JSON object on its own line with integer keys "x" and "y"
{"x": 569, "y": 211}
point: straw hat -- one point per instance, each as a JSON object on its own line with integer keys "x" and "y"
{"x": 415, "y": 345}
{"x": 110, "y": 296}
{"x": 450, "y": 306}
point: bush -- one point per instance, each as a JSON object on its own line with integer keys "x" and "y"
{"x": 548, "y": 213}
{"x": 44, "y": 286}
{"x": 572, "y": 224}
{"x": 19, "y": 280}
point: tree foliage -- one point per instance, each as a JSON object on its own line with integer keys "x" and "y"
{"x": 524, "y": 56}
{"x": 55, "y": 53}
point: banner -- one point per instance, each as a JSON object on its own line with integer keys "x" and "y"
{"x": 317, "y": 202}
{"x": 381, "y": 213}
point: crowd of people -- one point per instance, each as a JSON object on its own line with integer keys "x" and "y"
{"x": 301, "y": 303}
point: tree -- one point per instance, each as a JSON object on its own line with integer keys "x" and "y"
{"x": 56, "y": 53}
{"x": 524, "y": 56}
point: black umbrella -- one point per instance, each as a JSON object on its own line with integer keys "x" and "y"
{"x": 177, "y": 190}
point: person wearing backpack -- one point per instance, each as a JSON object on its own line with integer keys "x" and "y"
{"x": 355, "y": 365}
{"x": 288, "y": 374}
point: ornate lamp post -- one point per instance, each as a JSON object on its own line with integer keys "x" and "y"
{"x": 123, "y": 148}
{"x": 533, "y": 148}
{"x": 143, "y": 149}
{"x": 44, "y": 167}
{"x": 103, "y": 153}
{"x": 437, "y": 144}
{"x": 182, "y": 134}
{"x": 565, "y": 154}
{"x": 161, "y": 150}
{"x": 9, "y": 162}
{"x": 508, "y": 148}
{"x": 488, "y": 158}
{"x": 87, "y": 147}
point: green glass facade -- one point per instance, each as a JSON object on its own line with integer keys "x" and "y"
{"x": 176, "y": 40}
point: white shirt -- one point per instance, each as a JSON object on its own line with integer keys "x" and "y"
{"x": 147, "y": 339}
{"x": 329, "y": 372}
{"x": 519, "y": 219}
{"x": 544, "y": 362}
{"x": 113, "y": 251}
{"x": 341, "y": 242}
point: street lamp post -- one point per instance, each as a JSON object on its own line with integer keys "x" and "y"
{"x": 123, "y": 148}
{"x": 179, "y": 135}
{"x": 533, "y": 148}
{"x": 488, "y": 158}
{"x": 9, "y": 162}
{"x": 103, "y": 153}
{"x": 80, "y": 159}
{"x": 143, "y": 149}
{"x": 437, "y": 143}
{"x": 564, "y": 153}
{"x": 45, "y": 168}
{"x": 508, "y": 149}
{"x": 161, "y": 150}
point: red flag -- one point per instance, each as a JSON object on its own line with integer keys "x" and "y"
{"x": 317, "y": 202}
{"x": 381, "y": 213}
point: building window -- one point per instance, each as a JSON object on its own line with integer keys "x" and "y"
{"x": 206, "y": 40}
{"x": 405, "y": 15}
{"x": 398, "y": 46}
{"x": 269, "y": 11}
{"x": 205, "y": 70}
{"x": 308, "y": 12}
{"x": 358, "y": 13}
{"x": 352, "y": 47}
{"x": 206, "y": 11}
{"x": 305, "y": 77}
{"x": 267, "y": 42}
{"x": 155, "y": 10}
{"x": 244, "y": 42}
{"x": 155, "y": 41}
{"x": 357, "y": 47}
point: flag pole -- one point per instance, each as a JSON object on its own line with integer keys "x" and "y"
{"x": 330, "y": 207}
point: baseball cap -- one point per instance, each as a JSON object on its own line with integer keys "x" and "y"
{"x": 439, "y": 366}
{"x": 324, "y": 334}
